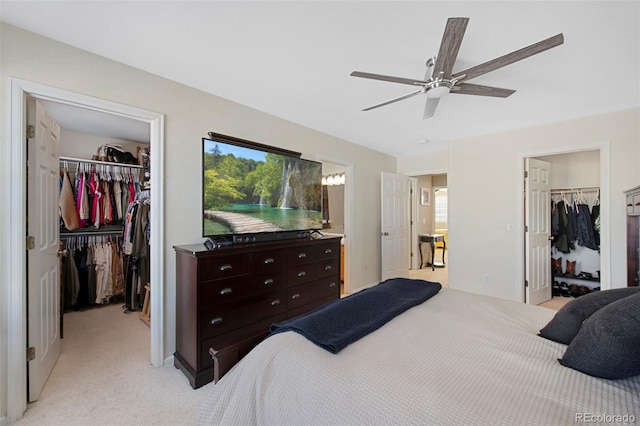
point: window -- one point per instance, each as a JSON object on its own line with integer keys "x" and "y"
{"x": 440, "y": 200}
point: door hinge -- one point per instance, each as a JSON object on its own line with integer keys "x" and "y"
{"x": 31, "y": 353}
{"x": 526, "y": 228}
{"x": 31, "y": 131}
{"x": 526, "y": 174}
{"x": 31, "y": 242}
{"x": 526, "y": 284}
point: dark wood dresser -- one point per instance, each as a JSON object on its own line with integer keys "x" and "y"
{"x": 226, "y": 298}
{"x": 633, "y": 236}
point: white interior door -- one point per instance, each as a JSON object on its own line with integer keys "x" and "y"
{"x": 395, "y": 225}
{"x": 538, "y": 231}
{"x": 42, "y": 260}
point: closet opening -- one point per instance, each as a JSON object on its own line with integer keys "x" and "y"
{"x": 102, "y": 220}
{"x": 18, "y": 305}
{"x": 566, "y": 263}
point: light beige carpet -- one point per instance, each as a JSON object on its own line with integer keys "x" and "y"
{"x": 438, "y": 275}
{"x": 104, "y": 377}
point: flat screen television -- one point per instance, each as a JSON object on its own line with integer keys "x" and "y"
{"x": 254, "y": 192}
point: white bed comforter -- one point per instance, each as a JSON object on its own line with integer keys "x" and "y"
{"x": 457, "y": 359}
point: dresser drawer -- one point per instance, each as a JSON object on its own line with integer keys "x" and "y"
{"x": 299, "y": 274}
{"x": 301, "y": 255}
{"x": 239, "y": 312}
{"x": 309, "y": 292}
{"x": 226, "y": 339}
{"x": 223, "y": 290}
{"x": 327, "y": 251}
{"x": 269, "y": 281}
{"x": 268, "y": 261}
{"x": 328, "y": 267}
{"x": 213, "y": 268}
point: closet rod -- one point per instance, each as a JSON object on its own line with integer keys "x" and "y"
{"x": 89, "y": 233}
{"x": 576, "y": 189}
{"x": 105, "y": 163}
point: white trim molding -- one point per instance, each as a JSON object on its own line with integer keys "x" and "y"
{"x": 16, "y": 227}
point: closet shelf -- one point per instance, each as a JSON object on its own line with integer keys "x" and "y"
{"x": 577, "y": 277}
{"x": 105, "y": 230}
{"x": 105, "y": 163}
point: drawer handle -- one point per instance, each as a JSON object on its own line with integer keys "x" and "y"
{"x": 269, "y": 260}
{"x": 638, "y": 203}
{"x": 226, "y": 291}
{"x": 327, "y": 268}
{"x": 302, "y": 255}
{"x": 275, "y": 302}
{"x": 332, "y": 285}
{"x": 302, "y": 273}
{"x": 226, "y": 267}
{"x": 216, "y": 321}
{"x": 328, "y": 251}
{"x": 295, "y": 296}
{"x": 268, "y": 281}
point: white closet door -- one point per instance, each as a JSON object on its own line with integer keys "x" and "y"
{"x": 538, "y": 225}
{"x": 43, "y": 263}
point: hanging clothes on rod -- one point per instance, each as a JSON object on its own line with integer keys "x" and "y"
{"x": 92, "y": 270}
{"x": 136, "y": 249}
{"x": 573, "y": 221}
{"x": 93, "y": 194}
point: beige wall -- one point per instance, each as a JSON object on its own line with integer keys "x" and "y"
{"x": 425, "y": 214}
{"x": 485, "y": 196}
{"x": 189, "y": 115}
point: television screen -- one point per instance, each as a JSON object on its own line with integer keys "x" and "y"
{"x": 248, "y": 188}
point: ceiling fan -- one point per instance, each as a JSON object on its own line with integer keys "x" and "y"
{"x": 440, "y": 80}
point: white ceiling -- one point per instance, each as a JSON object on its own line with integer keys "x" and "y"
{"x": 292, "y": 59}
{"x": 93, "y": 122}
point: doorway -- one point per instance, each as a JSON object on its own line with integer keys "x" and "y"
{"x": 16, "y": 342}
{"x": 340, "y": 207}
{"x": 430, "y": 216}
{"x": 577, "y": 177}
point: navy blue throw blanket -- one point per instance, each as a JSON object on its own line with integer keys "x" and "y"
{"x": 341, "y": 322}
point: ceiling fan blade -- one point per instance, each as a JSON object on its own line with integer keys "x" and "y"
{"x": 389, "y": 78}
{"x": 401, "y": 98}
{"x": 510, "y": 58}
{"x": 477, "y": 89}
{"x": 430, "y": 107}
{"x": 451, "y": 40}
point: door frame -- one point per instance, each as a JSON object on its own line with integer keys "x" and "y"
{"x": 604, "y": 148}
{"x": 414, "y": 251}
{"x": 414, "y": 213}
{"x": 17, "y": 287}
{"x": 348, "y": 214}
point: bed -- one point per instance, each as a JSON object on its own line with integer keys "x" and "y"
{"x": 458, "y": 358}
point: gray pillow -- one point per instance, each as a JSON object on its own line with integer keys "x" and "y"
{"x": 608, "y": 345}
{"x": 565, "y": 325}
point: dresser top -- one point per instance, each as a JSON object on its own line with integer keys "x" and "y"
{"x": 201, "y": 249}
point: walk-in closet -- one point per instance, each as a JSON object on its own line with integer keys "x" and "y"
{"x": 103, "y": 212}
{"x": 104, "y": 222}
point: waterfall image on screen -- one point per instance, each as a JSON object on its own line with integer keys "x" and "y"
{"x": 247, "y": 190}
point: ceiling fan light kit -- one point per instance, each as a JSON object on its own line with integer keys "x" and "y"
{"x": 440, "y": 80}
